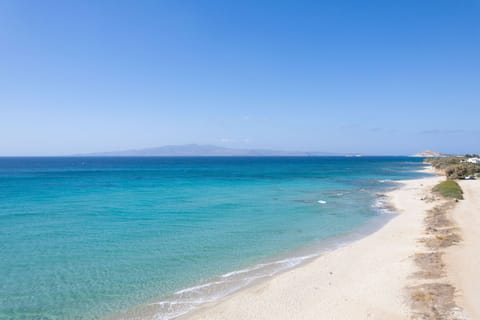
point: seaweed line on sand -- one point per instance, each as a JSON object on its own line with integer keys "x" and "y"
{"x": 432, "y": 297}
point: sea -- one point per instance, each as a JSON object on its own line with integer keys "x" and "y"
{"x": 157, "y": 237}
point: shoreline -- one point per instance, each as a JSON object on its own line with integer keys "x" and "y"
{"x": 294, "y": 259}
{"x": 328, "y": 285}
{"x": 299, "y": 258}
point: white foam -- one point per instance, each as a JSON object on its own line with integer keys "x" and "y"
{"x": 322, "y": 201}
{"x": 382, "y": 205}
{"x": 385, "y": 180}
{"x": 233, "y": 273}
{"x": 185, "y": 300}
{"x": 195, "y": 288}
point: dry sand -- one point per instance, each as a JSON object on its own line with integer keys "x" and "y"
{"x": 463, "y": 260}
{"x": 366, "y": 279}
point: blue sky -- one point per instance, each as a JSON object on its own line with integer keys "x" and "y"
{"x": 373, "y": 77}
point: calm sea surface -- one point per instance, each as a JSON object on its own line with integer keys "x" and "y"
{"x": 85, "y": 238}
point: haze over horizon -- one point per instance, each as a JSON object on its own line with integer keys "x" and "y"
{"x": 193, "y": 149}
{"x": 370, "y": 77}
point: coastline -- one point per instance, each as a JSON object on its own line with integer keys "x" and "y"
{"x": 215, "y": 293}
{"x": 364, "y": 279}
{"x": 222, "y": 288}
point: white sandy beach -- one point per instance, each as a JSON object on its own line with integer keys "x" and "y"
{"x": 365, "y": 279}
{"x": 463, "y": 260}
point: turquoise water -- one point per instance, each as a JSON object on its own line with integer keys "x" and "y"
{"x": 85, "y": 238}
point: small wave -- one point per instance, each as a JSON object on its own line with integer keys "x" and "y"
{"x": 209, "y": 284}
{"x": 322, "y": 201}
{"x": 229, "y": 274}
{"x": 185, "y": 300}
{"x": 385, "y": 180}
{"x": 382, "y": 205}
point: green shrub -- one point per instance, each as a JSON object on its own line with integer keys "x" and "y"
{"x": 462, "y": 170}
{"x": 442, "y": 163}
{"x": 455, "y": 167}
{"x": 449, "y": 189}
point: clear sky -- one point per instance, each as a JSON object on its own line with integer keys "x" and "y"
{"x": 373, "y": 77}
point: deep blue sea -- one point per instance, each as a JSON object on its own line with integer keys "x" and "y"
{"x": 90, "y": 238}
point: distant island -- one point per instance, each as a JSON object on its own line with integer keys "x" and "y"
{"x": 207, "y": 150}
{"x": 196, "y": 150}
{"x": 430, "y": 154}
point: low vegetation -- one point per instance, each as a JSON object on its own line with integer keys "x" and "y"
{"x": 462, "y": 171}
{"x": 443, "y": 163}
{"x": 449, "y": 189}
{"x": 456, "y": 167}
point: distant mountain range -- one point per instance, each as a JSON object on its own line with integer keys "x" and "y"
{"x": 195, "y": 150}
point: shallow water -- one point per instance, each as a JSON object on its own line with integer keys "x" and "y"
{"x": 84, "y": 238}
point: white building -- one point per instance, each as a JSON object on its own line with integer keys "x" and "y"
{"x": 473, "y": 160}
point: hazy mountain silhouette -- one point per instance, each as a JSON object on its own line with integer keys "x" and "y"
{"x": 201, "y": 150}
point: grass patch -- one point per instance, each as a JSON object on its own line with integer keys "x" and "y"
{"x": 449, "y": 189}
{"x": 456, "y": 167}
